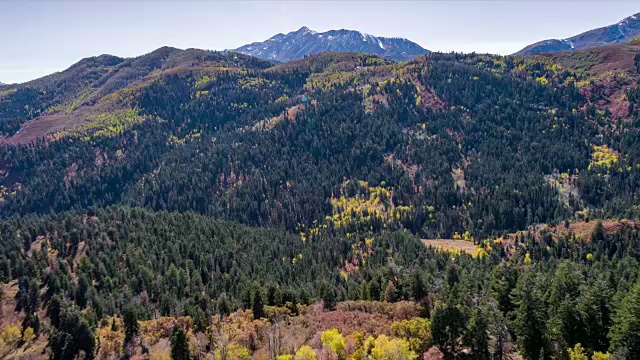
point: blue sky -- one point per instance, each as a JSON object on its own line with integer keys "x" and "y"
{"x": 41, "y": 37}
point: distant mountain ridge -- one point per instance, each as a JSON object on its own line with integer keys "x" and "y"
{"x": 304, "y": 41}
{"x": 619, "y": 33}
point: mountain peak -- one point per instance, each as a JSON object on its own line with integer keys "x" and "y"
{"x": 304, "y": 41}
{"x": 633, "y": 17}
{"x": 619, "y": 33}
{"x": 305, "y": 29}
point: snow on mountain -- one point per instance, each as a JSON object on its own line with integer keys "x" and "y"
{"x": 619, "y": 33}
{"x": 304, "y": 41}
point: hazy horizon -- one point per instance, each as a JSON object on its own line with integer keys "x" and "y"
{"x": 46, "y": 37}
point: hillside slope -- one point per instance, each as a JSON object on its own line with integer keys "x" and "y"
{"x": 608, "y": 76}
{"x": 357, "y": 117}
{"x": 79, "y": 95}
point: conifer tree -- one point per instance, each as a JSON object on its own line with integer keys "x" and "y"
{"x": 179, "y": 344}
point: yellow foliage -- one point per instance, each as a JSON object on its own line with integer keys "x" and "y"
{"x": 325, "y": 81}
{"x": 368, "y": 204}
{"x": 305, "y": 353}
{"x": 634, "y": 41}
{"x": 466, "y": 236}
{"x": 383, "y": 348}
{"x": 77, "y": 102}
{"x": 285, "y": 357}
{"x": 583, "y": 83}
{"x": 111, "y": 341}
{"x": 282, "y": 99}
{"x": 577, "y": 353}
{"x": 542, "y": 80}
{"x": 600, "y": 356}
{"x": 479, "y": 252}
{"x": 603, "y": 157}
{"x": 203, "y": 81}
{"x": 28, "y": 335}
{"x": 237, "y": 352}
{"x": 333, "y": 341}
{"x": 174, "y": 140}
{"x": 10, "y": 334}
{"x": 417, "y": 332}
{"x": 344, "y": 275}
{"x": 109, "y": 124}
{"x": 7, "y": 92}
{"x": 554, "y": 68}
{"x": 253, "y": 83}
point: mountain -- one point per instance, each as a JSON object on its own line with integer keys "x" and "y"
{"x": 1, "y": 84}
{"x": 400, "y": 208}
{"x": 143, "y": 106}
{"x": 620, "y": 33}
{"x": 303, "y": 42}
{"x": 94, "y": 87}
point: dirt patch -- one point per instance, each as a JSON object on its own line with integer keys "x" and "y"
{"x": 40, "y": 127}
{"x": 270, "y": 123}
{"x": 46, "y": 126}
{"x": 409, "y": 169}
{"x": 581, "y": 229}
{"x": 458, "y": 176}
{"x": 450, "y": 244}
{"x": 10, "y": 317}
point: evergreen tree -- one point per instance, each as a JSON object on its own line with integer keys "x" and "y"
{"x": 528, "y": 317}
{"x": 476, "y": 336}
{"x": 258, "y": 305}
{"x": 329, "y": 300}
{"x": 179, "y": 344}
{"x": 598, "y": 232}
{"x": 81, "y": 292}
{"x": 418, "y": 290}
{"x": 625, "y": 332}
{"x": 447, "y": 327}
{"x": 130, "y": 320}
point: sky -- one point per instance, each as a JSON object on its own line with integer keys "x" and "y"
{"x": 41, "y": 37}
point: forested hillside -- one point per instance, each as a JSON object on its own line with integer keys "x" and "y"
{"x": 217, "y": 192}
